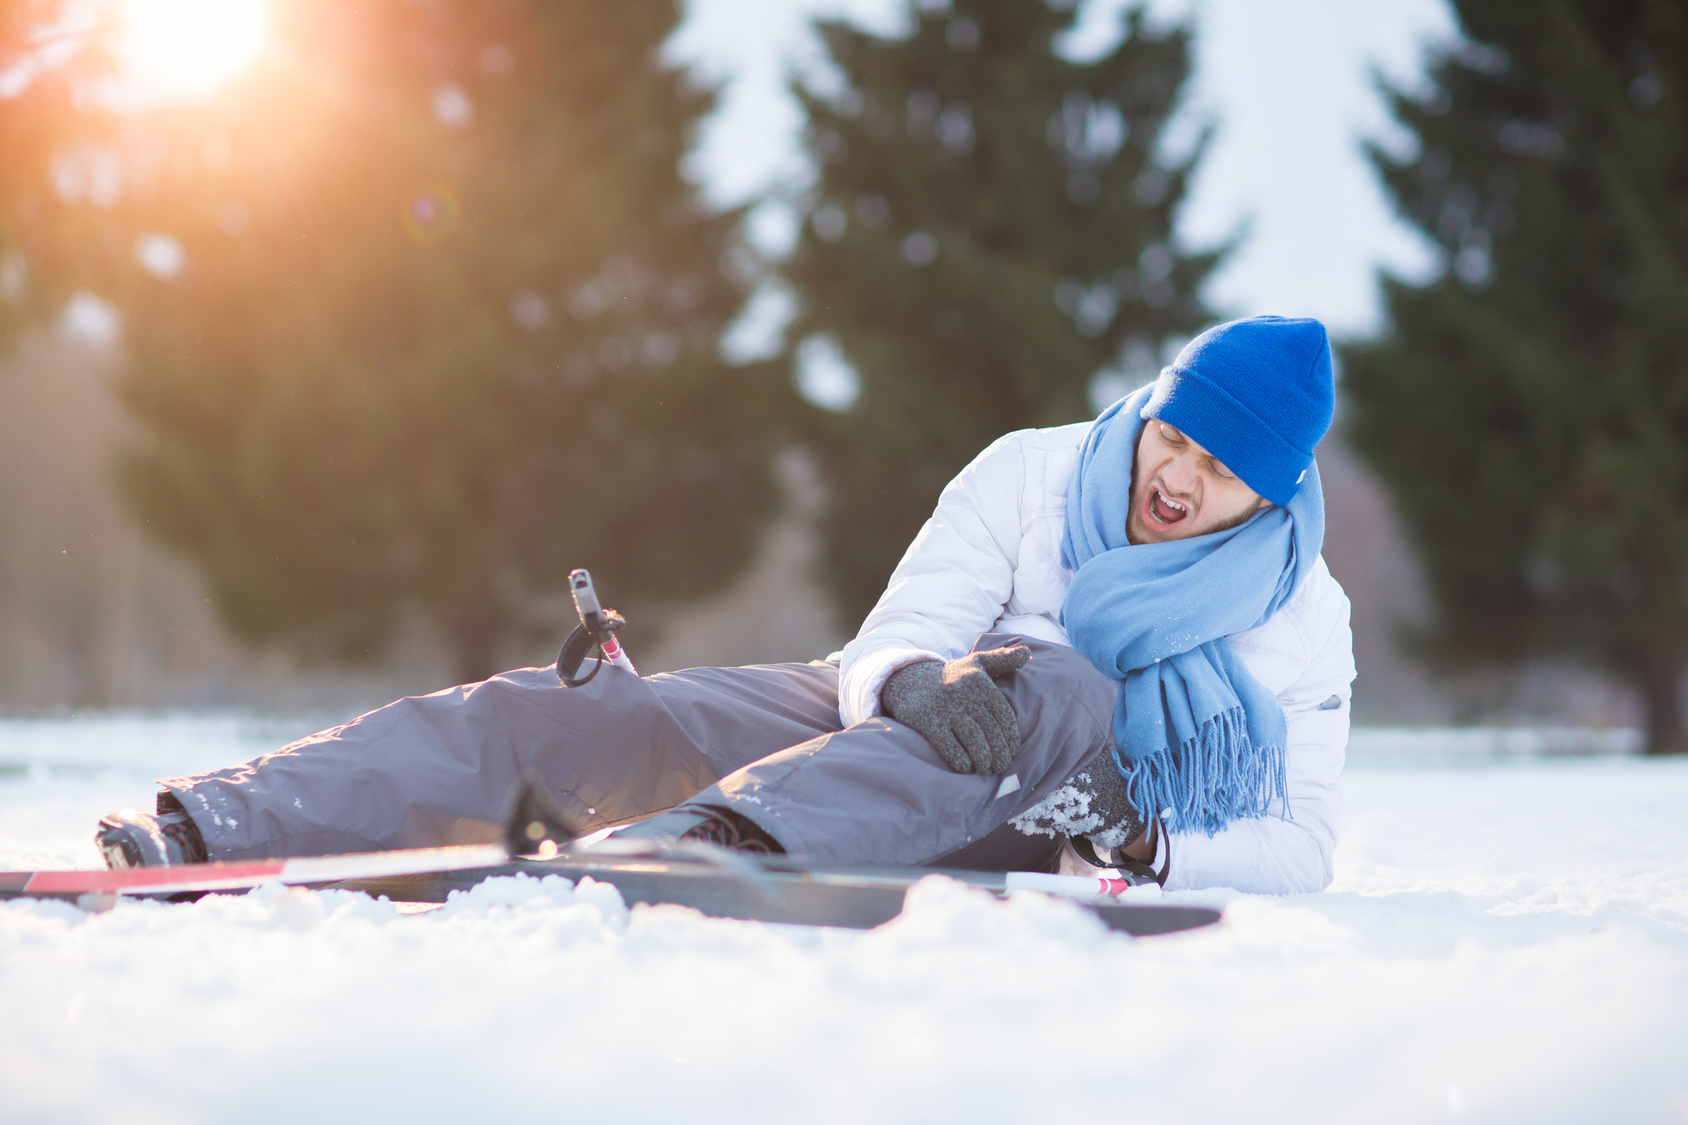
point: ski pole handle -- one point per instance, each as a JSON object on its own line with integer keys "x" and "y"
{"x": 592, "y": 616}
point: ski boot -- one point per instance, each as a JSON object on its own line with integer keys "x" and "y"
{"x": 709, "y": 824}
{"x": 137, "y": 839}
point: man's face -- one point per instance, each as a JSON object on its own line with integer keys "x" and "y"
{"x": 1180, "y": 490}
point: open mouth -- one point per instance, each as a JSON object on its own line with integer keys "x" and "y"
{"x": 1162, "y": 510}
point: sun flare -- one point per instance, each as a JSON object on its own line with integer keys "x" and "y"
{"x": 187, "y": 48}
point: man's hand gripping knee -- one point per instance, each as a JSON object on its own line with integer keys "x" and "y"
{"x": 959, "y": 709}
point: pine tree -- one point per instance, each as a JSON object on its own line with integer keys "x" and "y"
{"x": 991, "y": 226}
{"x": 422, "y": 315}
{"x": 1528, "y": 407}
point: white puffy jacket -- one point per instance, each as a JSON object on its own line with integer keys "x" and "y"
{"x": 990, "y": 558}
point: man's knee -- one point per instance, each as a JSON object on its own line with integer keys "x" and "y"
{"x": 1065, "y": 707}
{"x": 1055, "y": 669}
{"x": 527, "y": 695}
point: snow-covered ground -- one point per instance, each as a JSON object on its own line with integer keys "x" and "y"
{"x": 1506, "y": 940}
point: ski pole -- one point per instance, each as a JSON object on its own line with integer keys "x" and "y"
{"x": 593, "y": 617}
{"x": 1069, "y": 884}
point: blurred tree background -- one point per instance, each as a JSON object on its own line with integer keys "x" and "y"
{"x": 420, "y": 315}
{"x": 1529, "y": 407}
{"x": 40, "y": 118}
{"x": 991, "y": 226}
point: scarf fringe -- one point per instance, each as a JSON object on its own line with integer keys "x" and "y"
{"x": 1209, "y": 780}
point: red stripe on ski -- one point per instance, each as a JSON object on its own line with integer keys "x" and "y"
{"x": 135, "y": 878}
{"x": 240, "y": 876}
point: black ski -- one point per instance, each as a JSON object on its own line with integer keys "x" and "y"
{"x": 717, "y": 883}
{"x": 538, "y": 842}
{"x": 770, "y": 889}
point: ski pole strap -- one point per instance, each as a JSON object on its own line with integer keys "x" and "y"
{"x": 600, "y": 632}
{"x": 1131, "y": 869}
{"x": 573, "y": 654}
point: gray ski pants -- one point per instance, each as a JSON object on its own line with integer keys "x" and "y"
{"x": 764, "y": 740}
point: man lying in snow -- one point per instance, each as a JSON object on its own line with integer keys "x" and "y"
{"x": 1114, "y": 643}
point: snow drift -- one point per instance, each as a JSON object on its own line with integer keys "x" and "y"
{"x": 1506, "y": 940}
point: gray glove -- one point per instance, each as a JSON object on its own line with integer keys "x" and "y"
{"x": 1093, "y": 803}
{"x": 958, "y": 709}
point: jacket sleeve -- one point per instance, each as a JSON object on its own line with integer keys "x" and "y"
{"x": 1293, "y": 854}
{"x": 952, "y": 582}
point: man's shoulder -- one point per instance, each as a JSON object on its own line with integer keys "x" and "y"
{"x": 1042, "y": 458}
{"x": 1050, "y": 439}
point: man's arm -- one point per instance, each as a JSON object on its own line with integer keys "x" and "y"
{"x": 951, "y": 584}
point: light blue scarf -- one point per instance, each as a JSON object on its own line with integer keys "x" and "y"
{"x": 1194, "y": 732}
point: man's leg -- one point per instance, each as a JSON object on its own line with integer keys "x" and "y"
{"x": 437, "y": 769}
{"x": 879, "y": 793}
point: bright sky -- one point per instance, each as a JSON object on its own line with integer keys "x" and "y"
{"x": 1287, "y": 82}
{"x": 186, "y": 48}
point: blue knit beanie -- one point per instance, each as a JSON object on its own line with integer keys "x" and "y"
{"x": 1257, "y": 394}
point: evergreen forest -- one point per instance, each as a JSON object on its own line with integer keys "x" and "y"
{"x": 1528, "y": 407}
{"x": 423, "y": 310}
